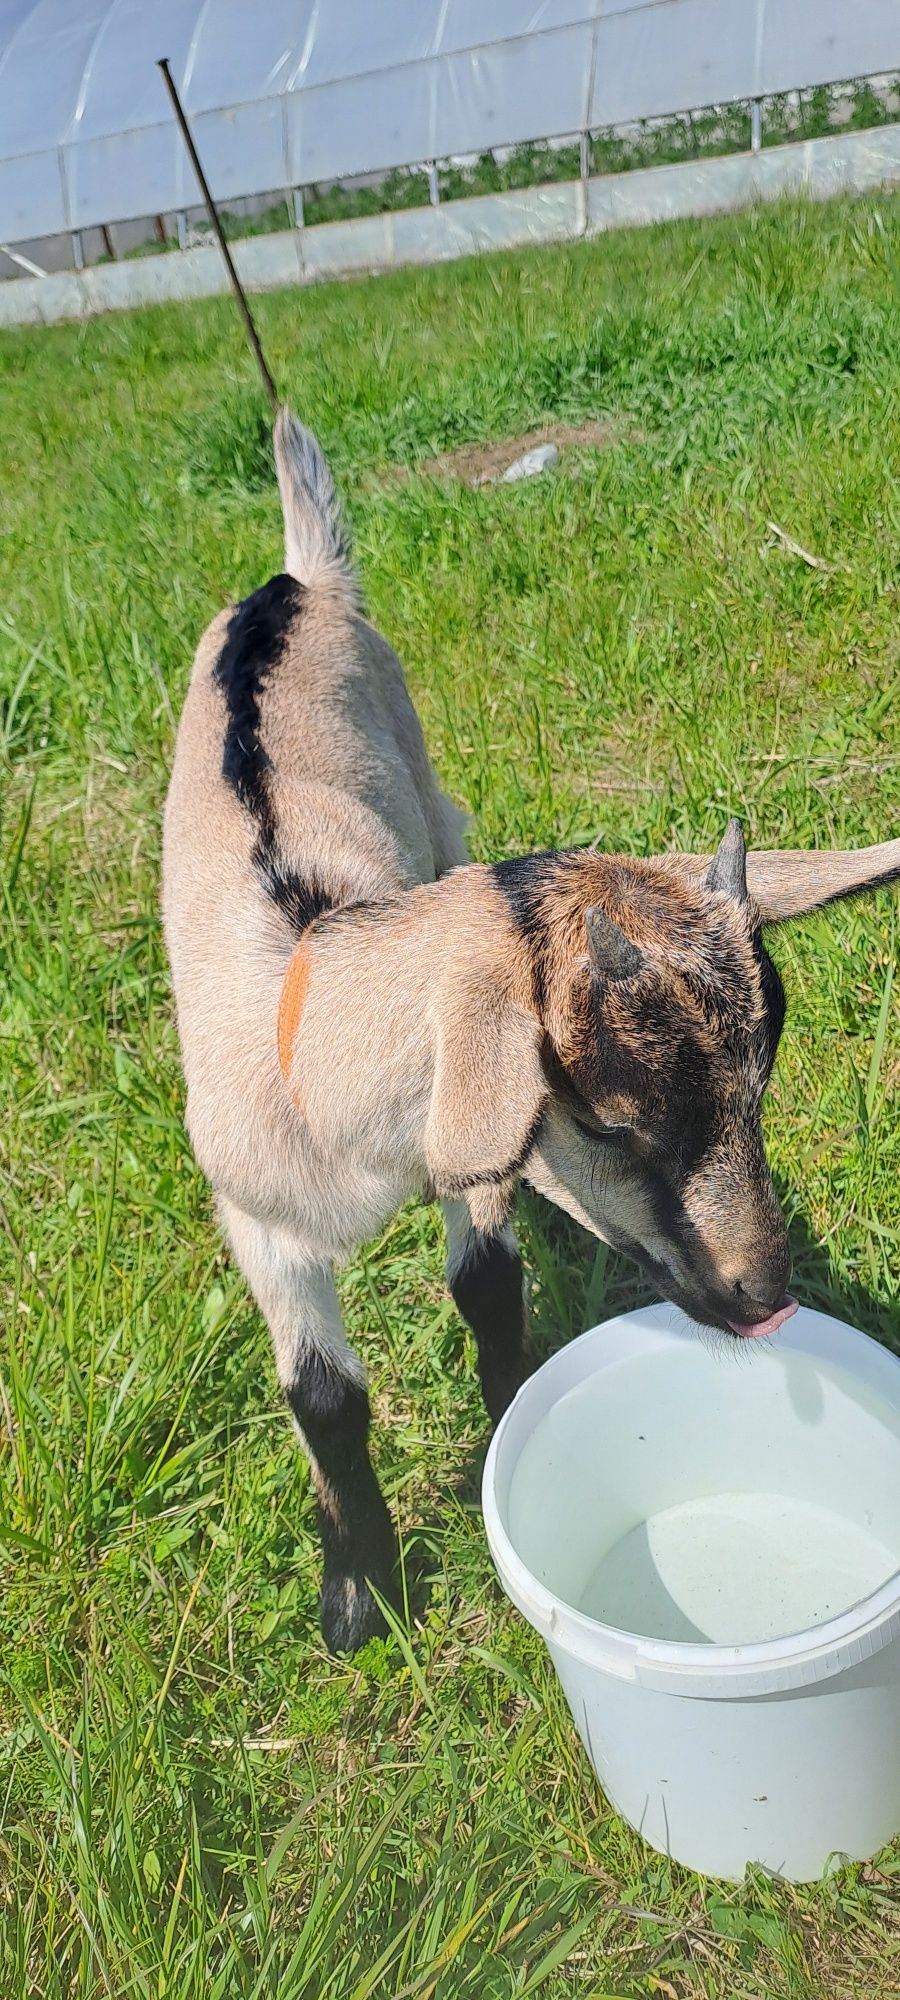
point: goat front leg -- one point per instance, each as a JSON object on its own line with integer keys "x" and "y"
{"x": 325, "y": 1385}
{"x": 484, "y": 1274}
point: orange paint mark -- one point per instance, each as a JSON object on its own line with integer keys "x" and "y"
{"x": 294, "y": 988}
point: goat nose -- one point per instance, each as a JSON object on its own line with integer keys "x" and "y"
{"x": 761, "y": 1281}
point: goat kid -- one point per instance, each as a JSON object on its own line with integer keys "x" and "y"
{"x": 366, "y": 1016}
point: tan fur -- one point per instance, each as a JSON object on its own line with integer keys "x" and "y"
{"x": 474, "y": 1131}
{"x": 355, "y": 801}
{"x": 419, "y": 1046}
{"x": 431, "y": 1035}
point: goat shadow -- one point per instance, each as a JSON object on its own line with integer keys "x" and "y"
{"x": 562, "y": 1264}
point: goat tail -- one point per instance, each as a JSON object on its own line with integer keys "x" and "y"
{"x": 315, "y": 545}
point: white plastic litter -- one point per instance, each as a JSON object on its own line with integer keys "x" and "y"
{"x": 539, "y": 459}
{"x": 708, "y": 1539}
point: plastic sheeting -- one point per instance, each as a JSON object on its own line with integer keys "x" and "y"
{"x": 851, "y": 162}
{"x": 289, "y": 92}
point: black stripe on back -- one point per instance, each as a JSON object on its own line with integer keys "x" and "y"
{"x": 254, "y": 644}
{"x": 300, "y": 898}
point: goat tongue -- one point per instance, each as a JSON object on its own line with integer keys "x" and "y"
{"x": 766, "y": 1326}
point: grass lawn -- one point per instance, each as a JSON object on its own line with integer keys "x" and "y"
{"x": 195, "y": 1800}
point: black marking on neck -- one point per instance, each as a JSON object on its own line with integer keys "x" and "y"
{"x": 523, "y": 880}
{"x": 300, "y": 898}
{"x": 774, "y": 1001}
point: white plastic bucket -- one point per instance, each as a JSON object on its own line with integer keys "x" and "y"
{"x": 738, "y": 1507}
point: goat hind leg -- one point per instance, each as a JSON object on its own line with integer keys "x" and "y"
{"x": 325, "y": 1386}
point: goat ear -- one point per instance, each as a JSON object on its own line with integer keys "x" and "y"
{"x": 792, "y": 882}
{"x": 487, "y": 1100}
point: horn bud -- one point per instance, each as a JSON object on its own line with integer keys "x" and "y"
{"x": 612, "y": 954}
{"x": 728, "y": 867}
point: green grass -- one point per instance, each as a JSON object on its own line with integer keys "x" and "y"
{"x": 194, "y": 1800}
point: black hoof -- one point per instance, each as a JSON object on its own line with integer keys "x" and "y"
{"x": 349, "y": 1613}
{"x": 501, "y": 1384}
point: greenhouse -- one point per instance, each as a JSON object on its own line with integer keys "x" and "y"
{"x": 295, "y": 93}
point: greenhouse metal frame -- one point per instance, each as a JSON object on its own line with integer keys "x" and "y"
{"x": 295, "y": 92}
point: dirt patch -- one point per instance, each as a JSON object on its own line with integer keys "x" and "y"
{"x": 479, "y": 464}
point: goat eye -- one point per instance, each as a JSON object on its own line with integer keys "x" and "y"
{"x": 597, "y": 1133}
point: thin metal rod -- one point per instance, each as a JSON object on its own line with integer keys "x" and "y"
{"x": 212, "y": 212}
{"x": 18, "y": 257}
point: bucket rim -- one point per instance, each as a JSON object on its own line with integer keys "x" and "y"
{"x": 676, "y": 1667}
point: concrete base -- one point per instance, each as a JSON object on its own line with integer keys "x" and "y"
{"x": 849, "y": 162}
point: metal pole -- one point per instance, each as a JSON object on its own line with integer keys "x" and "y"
{"x": 434, "y": 189}
{"x": 19, "y": 257}
{"x": 756, "y": 125}
{"x": 212, "y": 212}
